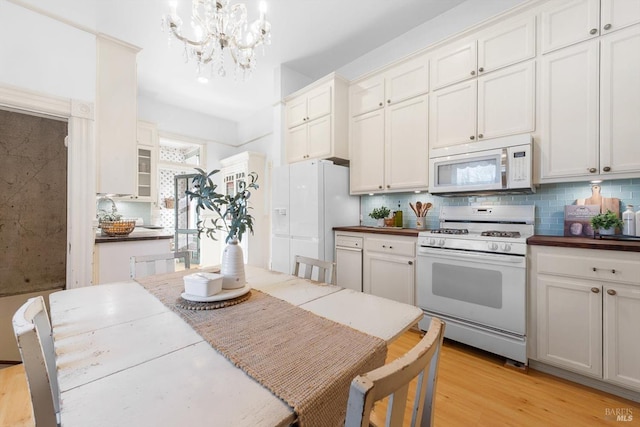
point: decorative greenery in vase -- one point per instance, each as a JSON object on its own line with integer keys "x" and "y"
{"x": 232, "y": 211}
{"x": 605, "y": 221}
{"x": 380, "y": 213}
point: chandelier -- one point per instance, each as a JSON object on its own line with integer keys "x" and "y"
{"x": 217, "y": 28}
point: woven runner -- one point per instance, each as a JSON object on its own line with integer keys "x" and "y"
{"x": 304, "y": 359}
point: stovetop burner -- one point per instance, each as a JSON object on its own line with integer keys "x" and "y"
{"x": 450, "y": 231}
{"x": 495, "y": 233}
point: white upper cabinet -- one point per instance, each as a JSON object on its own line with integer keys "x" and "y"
{"x": 116, "y": 116}
{"x": 567, "y": 22}
{"x": 317, "y": 121}
{"x": 497, "y": 104}
{"x": 498, "y": 46}
{"x": 453, "y": 64}
{"x": 407, "y": 79}
{"x": 366, "y": 149}
{"x": 591, "y": 100}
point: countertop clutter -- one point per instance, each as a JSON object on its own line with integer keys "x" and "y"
{"x": 585, "y": 243}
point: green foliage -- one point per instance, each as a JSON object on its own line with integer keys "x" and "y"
{"x": 112, "y": 216}
{"x": 606, "y": 220}
{"x": 233, "y": 215}
{"x": 379, "y": 213}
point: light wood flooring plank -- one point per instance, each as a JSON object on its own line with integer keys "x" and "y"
{"x": 15, "y": 403}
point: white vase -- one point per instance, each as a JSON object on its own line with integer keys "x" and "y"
{"x": 232, "y": 266}
{"x": 380, "y": 222}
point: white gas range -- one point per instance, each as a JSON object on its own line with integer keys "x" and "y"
{"x": 472, "y": 273}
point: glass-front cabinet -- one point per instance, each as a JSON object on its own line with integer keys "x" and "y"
{"x": 186, "y": 219}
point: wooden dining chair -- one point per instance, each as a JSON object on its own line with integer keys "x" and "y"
{"x": 326, "y": 272}
{"x": 148, "y": 265}
{"x": 33, "y": 333}
{"x": 393, "y": 380}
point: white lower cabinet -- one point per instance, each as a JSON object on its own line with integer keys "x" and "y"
{"x": 587, "y": 312}
{"x": 389, "y": 267}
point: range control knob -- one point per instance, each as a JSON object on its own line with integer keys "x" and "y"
{"x": 441, "y": 242}
{"x": 506, "y": 247}
{"x": 432, "y": 242}
{"x": 493, "y": 246}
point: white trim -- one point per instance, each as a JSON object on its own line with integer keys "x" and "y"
{"x": 81, "y": 178}
{"x": 54, "y": 16}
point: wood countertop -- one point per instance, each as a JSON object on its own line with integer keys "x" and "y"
{"x": 585, "y": 243}
{"x": 135, "y": 236}
{"x": 410, "y": 232}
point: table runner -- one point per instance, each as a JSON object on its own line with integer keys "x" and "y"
{"x": 304, "y": 359}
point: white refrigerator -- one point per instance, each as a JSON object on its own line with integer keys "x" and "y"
{"x": 308, "y": 200}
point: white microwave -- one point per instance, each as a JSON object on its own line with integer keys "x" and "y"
{"x": 502, "y": 165}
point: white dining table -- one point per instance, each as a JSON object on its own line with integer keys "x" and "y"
{"x": 125, "y": 359}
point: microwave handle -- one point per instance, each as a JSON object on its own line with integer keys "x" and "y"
{"x": 504, "y": 165}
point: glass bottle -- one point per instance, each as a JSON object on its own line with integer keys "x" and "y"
{"x": 629, "y": 221}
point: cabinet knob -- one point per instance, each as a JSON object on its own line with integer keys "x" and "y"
{"x": 388, "y": 101}
{"x": 388, "y": 186}
{"x": 611, "y": 291}
{"x": 481, "y": 69}
{"x": 473, "y": 72}
{"x": 480, "y": 135}
{"x": 595, "y": 290}
{"x": 307, "y": 118}
{"x": 472, "y": 137}
{"x": 606, "y": 169}
{"x": 390, "y": 247}
{"x": 593, "y": 31}
{"x": 384, "y": 246}
{"x": 380, "y": 104}
{"x": 607, "y": 27}
{"x": 593, "y": 170}
{"x": 410, "y": 262}
{"x": 380, "y": 187}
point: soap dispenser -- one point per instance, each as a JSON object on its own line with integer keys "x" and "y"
{"x": 629, "y": 221}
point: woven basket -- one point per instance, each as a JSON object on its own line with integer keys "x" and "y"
{"x": 117, "y": 228}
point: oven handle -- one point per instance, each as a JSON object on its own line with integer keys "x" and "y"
{"x": 511, "y": 259}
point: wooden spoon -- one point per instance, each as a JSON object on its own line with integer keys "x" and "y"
{"x": 413, "y": 209}
{"x": 419, "y": 208}
{"x": 427, "y": 206}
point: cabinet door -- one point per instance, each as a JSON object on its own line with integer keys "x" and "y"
{"x": 569, "y": 111}
{"x": 406, "y": 148}
{"x": 297, "y": 143}
{"x": 319, "y": 102}
{"x": 296, "y": 111}
{"x": 366, "y": 151}
{"x": 453, "y": 64}
{"x": 622, "y": 339}
{"x": 367, "y": 95}
{"x": 506, "y": 44}
{"x": 617, "y": 14}
{"x": 567, "y": 22}
{"x": 409, "y": 79}
{"x": 506, "y": 101}
{"x": 620, "y": 103}
{"x": 452, "y": 115}
{"x": 569, "y": 324}
{"x": 389, "y": 277}
{"x": 319, "y": 138}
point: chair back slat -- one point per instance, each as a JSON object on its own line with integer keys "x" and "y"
{"x": 325, "y": 269}
{"x": 393, "y": 380}
{"x": 147, "y": 265}
{"x": 33, "y": 334}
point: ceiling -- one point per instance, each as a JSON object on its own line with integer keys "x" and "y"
{"x": 312, "y": 37}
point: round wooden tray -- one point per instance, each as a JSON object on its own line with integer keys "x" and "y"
{"x": 193, "y": 305}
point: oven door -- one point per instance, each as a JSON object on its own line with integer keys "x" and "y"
{"x": 480, "y": 288}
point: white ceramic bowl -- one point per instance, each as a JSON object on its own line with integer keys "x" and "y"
{"x": 203, "y": 284}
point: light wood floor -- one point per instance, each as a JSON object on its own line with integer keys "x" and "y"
{"x": 474, "y": 389}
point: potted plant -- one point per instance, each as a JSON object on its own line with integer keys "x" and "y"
{"x": 232, "y": 217}
{"x": 380, "y": 214}
{"x": 606, "y": 223}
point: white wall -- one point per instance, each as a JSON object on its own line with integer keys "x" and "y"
{"x": 453, "y": 21}
{"x": 44, "y": 55}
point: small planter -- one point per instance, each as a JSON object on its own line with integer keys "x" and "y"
{"x": 380, "y": 222}
{"x": 607, "y": 231}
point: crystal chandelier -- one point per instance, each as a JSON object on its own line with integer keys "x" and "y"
{"x": 217, "y": 28}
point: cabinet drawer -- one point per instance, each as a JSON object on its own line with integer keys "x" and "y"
{"x": 391, "y": 247}
{"x": 616, "y": 270}
{"x": 349, "y": 242}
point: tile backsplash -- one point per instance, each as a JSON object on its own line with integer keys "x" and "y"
{"x": 550, "y": 200}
